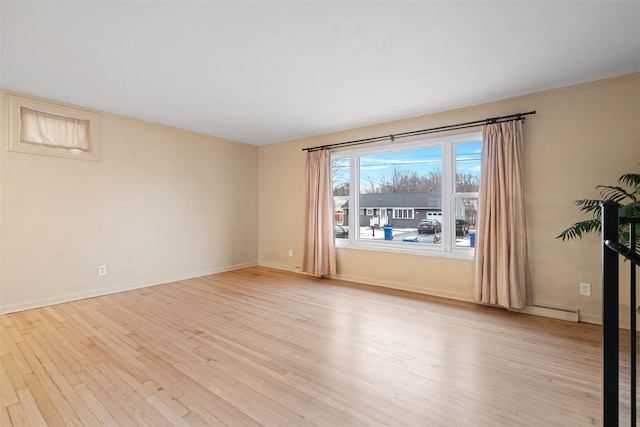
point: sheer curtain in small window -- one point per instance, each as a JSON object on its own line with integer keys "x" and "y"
{"x": 52, "y": 130}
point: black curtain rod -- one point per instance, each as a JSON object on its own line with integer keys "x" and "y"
{"x": 393, "y": 137}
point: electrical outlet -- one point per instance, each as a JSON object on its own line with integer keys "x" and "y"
{"x": 585, "y": 289}
{"x": 102, "y": 270}
{"x": 290, "y": 252}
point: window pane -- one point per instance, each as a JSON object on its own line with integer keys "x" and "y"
{"x": 340, "y": 173}
{"x": 466, "y": 213}
{"x": 398, "y": 189}
{"x": 468, "y": 167}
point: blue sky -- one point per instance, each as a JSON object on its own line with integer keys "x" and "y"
{"x": 420, "y": 161}
{"x": 423, "y": 161}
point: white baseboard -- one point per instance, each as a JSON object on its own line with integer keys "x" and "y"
{"x": 591, "y": 318}
{"x": 380, "y": 283}
{"x": 568, "y": 314}
{"x": 115, "y": 289}
{"x": 280, "y": 267}
{"x": 403, "y": 287}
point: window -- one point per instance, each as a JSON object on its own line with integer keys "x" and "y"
{"x": 39, "y": 127}
{"x": 465, "y": 194}
{"x": 403, "y": 214}
{"x": 340, "y": 173}
{"x": 429, "y": 189}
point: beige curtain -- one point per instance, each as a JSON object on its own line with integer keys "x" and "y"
{"x": 502, "y": 271}
{"x": 319, "y": 258}
{"x": 52, "y": 130}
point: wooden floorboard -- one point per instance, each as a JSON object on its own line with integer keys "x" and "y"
{"x": 262, "y": 347}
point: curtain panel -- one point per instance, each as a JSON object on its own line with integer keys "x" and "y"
{"x": 52, "y": 130}
{"x": 502, "y": 270}
{"x": 319, "y": 256}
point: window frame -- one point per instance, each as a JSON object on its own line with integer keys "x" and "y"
{"x": 408, "y": 211}
{"x": 447, "y": 247}
{"x": 14, "y": 123}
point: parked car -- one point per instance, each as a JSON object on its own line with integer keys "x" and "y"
{"x": 429, "y": 226}
{"x": 340, "y": 232}
{"x": 462, "y": 227}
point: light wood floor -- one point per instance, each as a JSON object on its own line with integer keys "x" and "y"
{"x": 264, "y": 347}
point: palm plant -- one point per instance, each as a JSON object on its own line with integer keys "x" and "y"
{"x": 626, "y": 195}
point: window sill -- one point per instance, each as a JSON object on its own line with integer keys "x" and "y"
{"x": 408, "y": 248}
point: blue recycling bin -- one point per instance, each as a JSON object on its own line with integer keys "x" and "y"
{"x": 388, "y": 233}
{"x": 472, "y": 239}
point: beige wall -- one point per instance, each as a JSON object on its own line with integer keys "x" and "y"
{"x": 581, "y": 136}
{"x": 164, "y": 204}
{"x": 161, "y": 204}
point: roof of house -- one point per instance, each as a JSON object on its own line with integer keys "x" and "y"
{"x": 427, "y": 200}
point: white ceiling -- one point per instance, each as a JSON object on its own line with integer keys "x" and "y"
{"x": 269, "y": 71}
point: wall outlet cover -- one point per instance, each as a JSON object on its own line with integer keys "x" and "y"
{"x": 585, "y": 289}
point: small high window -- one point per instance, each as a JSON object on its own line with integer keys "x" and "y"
{"x": 39, "y": 127}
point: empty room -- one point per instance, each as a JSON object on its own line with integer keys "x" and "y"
{"x": 319, "y": 213}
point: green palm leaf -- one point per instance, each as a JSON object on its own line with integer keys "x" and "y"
{"x": 581, "y": 228}
{"x": 631, "y": 180}
{"x": 627, "y": 198}
{"x": 589, "y": 206}
{"x": 614, "y": 193}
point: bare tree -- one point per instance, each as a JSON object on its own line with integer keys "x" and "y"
{"x": 340, "y": 177}
{"x": 341, "y": 189}
{"x": 400, "y": 181}
{"x": 467, "y": 183}
{"x": 406, "y": 181}
{"x": 434, "y": 181}
{"x": 372, "y": 185}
